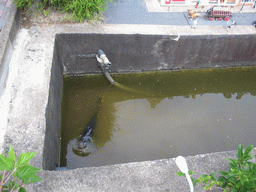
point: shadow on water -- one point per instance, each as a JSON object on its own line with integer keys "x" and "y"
{"x": 93, "y": 99}
{"x": 81, "y": 102}
{"x": 88, "y": 141}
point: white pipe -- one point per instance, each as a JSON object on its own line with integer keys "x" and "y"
{"x": 182, "y": 164}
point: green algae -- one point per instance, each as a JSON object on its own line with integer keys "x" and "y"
{"x": 84, "y": 96}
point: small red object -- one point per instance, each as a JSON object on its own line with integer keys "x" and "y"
{"x": 226, "y": 18}
{"x": 167, "y": 1}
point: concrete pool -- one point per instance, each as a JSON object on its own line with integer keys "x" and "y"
{"x": 134, "y": 53}
{"x": 27, "y": 122}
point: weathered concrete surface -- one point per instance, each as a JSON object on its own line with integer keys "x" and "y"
{"x": 134, "y": 52}
{"x": 8, "y": 32}
{"x": 53, "y": 114}
{"x": 7, "y": 36}
{"x": 9, "y": 26}
{"x": 27, "y": 122}
{"x": 159, "y": 175}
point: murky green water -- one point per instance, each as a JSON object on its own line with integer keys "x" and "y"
{"x": 161, "y": 115}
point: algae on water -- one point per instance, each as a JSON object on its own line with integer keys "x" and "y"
{"x": 183, "y": 112}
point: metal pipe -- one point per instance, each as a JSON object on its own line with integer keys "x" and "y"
{"x": 111, "y": 80}
{"x": 104, "y": 64}
{"x": 106, "y": 73}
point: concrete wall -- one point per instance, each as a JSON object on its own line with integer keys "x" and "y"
{"x": 155, "y": 52}
{"x": 134, "y": 53}
{"x": 53, "y": 115}
{"x": 7, "y": 36}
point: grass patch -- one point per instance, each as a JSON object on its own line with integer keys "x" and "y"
{"x": 80, "y": 9}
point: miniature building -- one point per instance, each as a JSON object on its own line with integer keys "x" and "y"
{"x": 206, "y": 2}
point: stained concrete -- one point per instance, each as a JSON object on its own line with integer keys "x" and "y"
{"x": 159, "y": 176}
{"x": 9, "y": 25}
{"x": 53, "y": 114}
{"x": 26, "y": 100}
{"x": 137, "y": 52}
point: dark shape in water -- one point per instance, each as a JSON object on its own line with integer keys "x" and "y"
{"x": 85, "y": 144}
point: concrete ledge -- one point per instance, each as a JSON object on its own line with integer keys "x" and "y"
{"x": 136, "y": 52}
{"x": 7, "y": 36}
{"x": 159, "y": 175}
